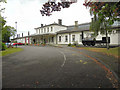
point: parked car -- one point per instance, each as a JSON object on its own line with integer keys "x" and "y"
{"x": 17, "y": 44}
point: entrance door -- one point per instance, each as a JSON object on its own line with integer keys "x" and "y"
{"x": 33, "y": 40}
{"x": 45, "y": 41}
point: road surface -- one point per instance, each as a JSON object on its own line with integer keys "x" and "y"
{"x": 53, "y": 67}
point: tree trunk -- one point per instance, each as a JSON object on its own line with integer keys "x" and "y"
{"x": 107, "y": 43}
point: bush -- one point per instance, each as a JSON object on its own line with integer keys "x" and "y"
{"x": 3, "y": 46}
{"x": 15, "y": 42}
{"x": 75, "y": 43}
{"x": 69, "y": 44}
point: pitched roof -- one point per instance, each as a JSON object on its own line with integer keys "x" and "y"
{"x": 51, "y": 25}
{"x": 81, "y": 27}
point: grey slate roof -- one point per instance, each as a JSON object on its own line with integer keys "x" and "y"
{"x": 72, "y": 28}
{"x": 50, "y": 25}
{"x": 84, "y": 27}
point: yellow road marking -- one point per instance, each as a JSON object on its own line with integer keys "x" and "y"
{"x": 81, "y": 61}
{"x": 85, "y": 63}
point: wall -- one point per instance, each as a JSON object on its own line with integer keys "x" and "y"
{"x": 78, "y": 37}
{"x": 113, "y": 37}
{"x": 63, "y": 38}
{"x": 56, "y": 28}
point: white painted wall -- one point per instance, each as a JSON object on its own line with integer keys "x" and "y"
{"x": 113, "y": 38}
{"x": 55, "y": 28}
{"x": 63, "y": 38}
{"x": 78, "y": 39}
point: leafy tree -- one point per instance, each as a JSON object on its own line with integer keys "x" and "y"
{"x": 52, "y": 6}
{"x": 5, "y": 31}
{"x": 104, "y": 13}
{"x": 4, "y": 1}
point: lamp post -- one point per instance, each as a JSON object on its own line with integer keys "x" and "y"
{"x": 16, "y": 33}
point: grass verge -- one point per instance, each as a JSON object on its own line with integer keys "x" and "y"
{"x": 10, "y": 51}
{"x": 111, "y": 51}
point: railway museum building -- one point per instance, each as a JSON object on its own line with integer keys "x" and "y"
{"x": 57, "y": 33}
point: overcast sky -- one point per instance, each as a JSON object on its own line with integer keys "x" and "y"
{"x": 27, "y": 14}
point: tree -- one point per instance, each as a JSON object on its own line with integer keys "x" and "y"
{"x": 104, "y": 14}
{"x": 5, "y": 31}
{"x": 52, "y": 6}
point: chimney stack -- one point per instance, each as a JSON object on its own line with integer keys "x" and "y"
{"x": 76, "y": 23}
{"x": 22, "y": 34}
{"x": 60, "y": 21}
{"x": 41, "y": 25}
{"x": 28, "y": 33}
{"x": 17, "y": 35}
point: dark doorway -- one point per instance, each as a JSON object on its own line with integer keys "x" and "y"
{"x": 33, "y": 40}
{"x": 44, "y": 41}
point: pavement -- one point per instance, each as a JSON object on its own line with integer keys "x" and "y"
{"x": 56, "y": 67}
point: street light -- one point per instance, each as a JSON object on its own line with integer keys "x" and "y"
{"x": 16, "y": 32}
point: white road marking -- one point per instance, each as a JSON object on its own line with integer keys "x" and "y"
{"x": 64, "y": 58}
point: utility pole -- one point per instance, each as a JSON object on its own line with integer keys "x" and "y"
{"x": 16, "y": 33}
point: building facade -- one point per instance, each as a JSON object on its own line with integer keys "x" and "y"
{"x": 57, "y": 33}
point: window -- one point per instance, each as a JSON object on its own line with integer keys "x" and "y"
{"x": 80, "y": 37}
{"x": 51, "y": 29}
{"x": 44, "y": 30}
{"x": 59, "y": 38}
{"x": 39, "y": 31}
{"x": 52, "y": 39}
{"x": 48, "y": 29}
{"x": 114, "y": 31}
{"x": 73, "y": 38}
{"x": 66, "y": 38}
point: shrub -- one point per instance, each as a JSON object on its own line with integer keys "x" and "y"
{"x": 15, "y": 42}
{"x": 75, "y": 43}
{"x": 69, "y": 44}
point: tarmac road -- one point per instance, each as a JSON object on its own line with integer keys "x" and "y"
{"x": 53, "y": 67}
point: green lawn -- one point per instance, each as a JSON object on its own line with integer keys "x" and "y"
{"x": 10, "y": 51}
{"x": 111, "y": 51}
